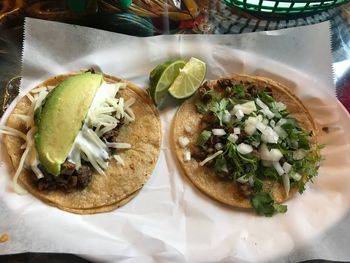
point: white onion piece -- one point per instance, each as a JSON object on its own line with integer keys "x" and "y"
{"x": 261, "y": 126}
{"x": 295, "y": 176}
{"x": 280, "y": 106}
{"x": 269, "y": 135}
{"x": 278, "y": 168}
{"x": 243, "y": 179}
{"x": 188, "y": 129}
{"x": 269, "y": 114}
{"x": 299, "y": 154}
{"x": 250, "y": 129}
{"x": 281, "y": 122}
{"x": 236, "y": 130}
{"x": 244, "y": 148}
{"x": 287, "y": 167}
{"x": 227, "y": 117}
{"x": 239, "y": 114}
{"x": 232, "y": 137}
{"x": 281, "y": 132}
{"x": 211, "y": 157}
{"x": 255, "y": 144}
{"x": 264, "y": 152}
{"x": 286, "y": 183}
{"x": 218, "y": 132}
{"x": 247, "y": 107}
{"x": 272, "y": 123}
{"x": 183, "y": 141}
{"x": 187, "y": 156}
{"x": 218, "y": 146}
{"x": 275, "y": 155}
{"x": 261, "y": 104}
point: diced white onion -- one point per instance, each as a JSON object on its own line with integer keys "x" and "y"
{"x": 218, "y": 146}
{"x": 244, "y": 148}
{"x": 236, "y": 130}
{"x": 280, "y": 106}
{"x": 250, "y": 129}
{"x": 269, "y": 135}
{"x": 188, "y": 129}
{"x": 183, "y": 141}
{"x": 281, "y": 122}
{"x": 119, "y": 159}
{"x": 272, "y": 123}
{"x": 248, "y": 107}
{"x": 187, "y": 156}
{"x": 239, "y": 114}
{"x": 218, "y": 132}
{"x": 281, "y": 132}
{"x": 226, "y": 117}
{"x": 211, "y": 157}
{"x": 286, "y": 183}
{"x": 261, "y": 104}
{"x": 275, "y": 155}
{"x": 278, "y": 168}
{"x": 255, "y": 144}
{"x": 299, "y": 154}
{"x": 232, "y": 137}
{"x": 287, "y": 167}
{"x": 269, "y": 114}
{"x": 295, "y": 176}
{"x": 243, "y": 179}
{"x": 261, "y": 126}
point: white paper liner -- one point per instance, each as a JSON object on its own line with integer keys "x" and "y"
{"x": 170, "y": 220}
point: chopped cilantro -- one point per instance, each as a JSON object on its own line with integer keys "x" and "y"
{"x": 265, "y": 205}
{"x": 218, "y": 108}
{"x": 239, "y": 91}
{"x": 201, "y": 107}
{"x": 203, "y": 137}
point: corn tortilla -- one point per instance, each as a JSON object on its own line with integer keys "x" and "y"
{"x": 121, "y": 183}
{"x": 203, "y": 177}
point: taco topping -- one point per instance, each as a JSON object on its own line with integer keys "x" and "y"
{"x": 248, "y": 137}
{"x": 92, "y": 147}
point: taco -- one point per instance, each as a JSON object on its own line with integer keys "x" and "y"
{"x": 83, "y": 142}
{"x": 247, "y": 142}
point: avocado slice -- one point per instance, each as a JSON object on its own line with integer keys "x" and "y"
{"x": 61, "y": 117}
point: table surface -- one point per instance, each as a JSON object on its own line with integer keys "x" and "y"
{"x": 146, "y": 18}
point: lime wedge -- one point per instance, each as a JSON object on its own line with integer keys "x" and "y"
{"x": 161, "y": 78}
{"x": 190, "y": 78}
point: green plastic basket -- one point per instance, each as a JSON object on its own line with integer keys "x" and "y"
{"x": 285, "y": 7}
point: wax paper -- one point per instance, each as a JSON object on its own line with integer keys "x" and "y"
{"x": 170, "y": 220}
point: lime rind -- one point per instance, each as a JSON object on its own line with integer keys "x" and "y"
{"x": 189, "y": 79}
{"x": 161, "y": 77}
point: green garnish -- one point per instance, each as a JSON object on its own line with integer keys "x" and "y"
{"x": 241, "y": 159}
{"x": 218, "y": 108}
{"x": 264, "y": 204}
{"x": 203, "y": 137}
